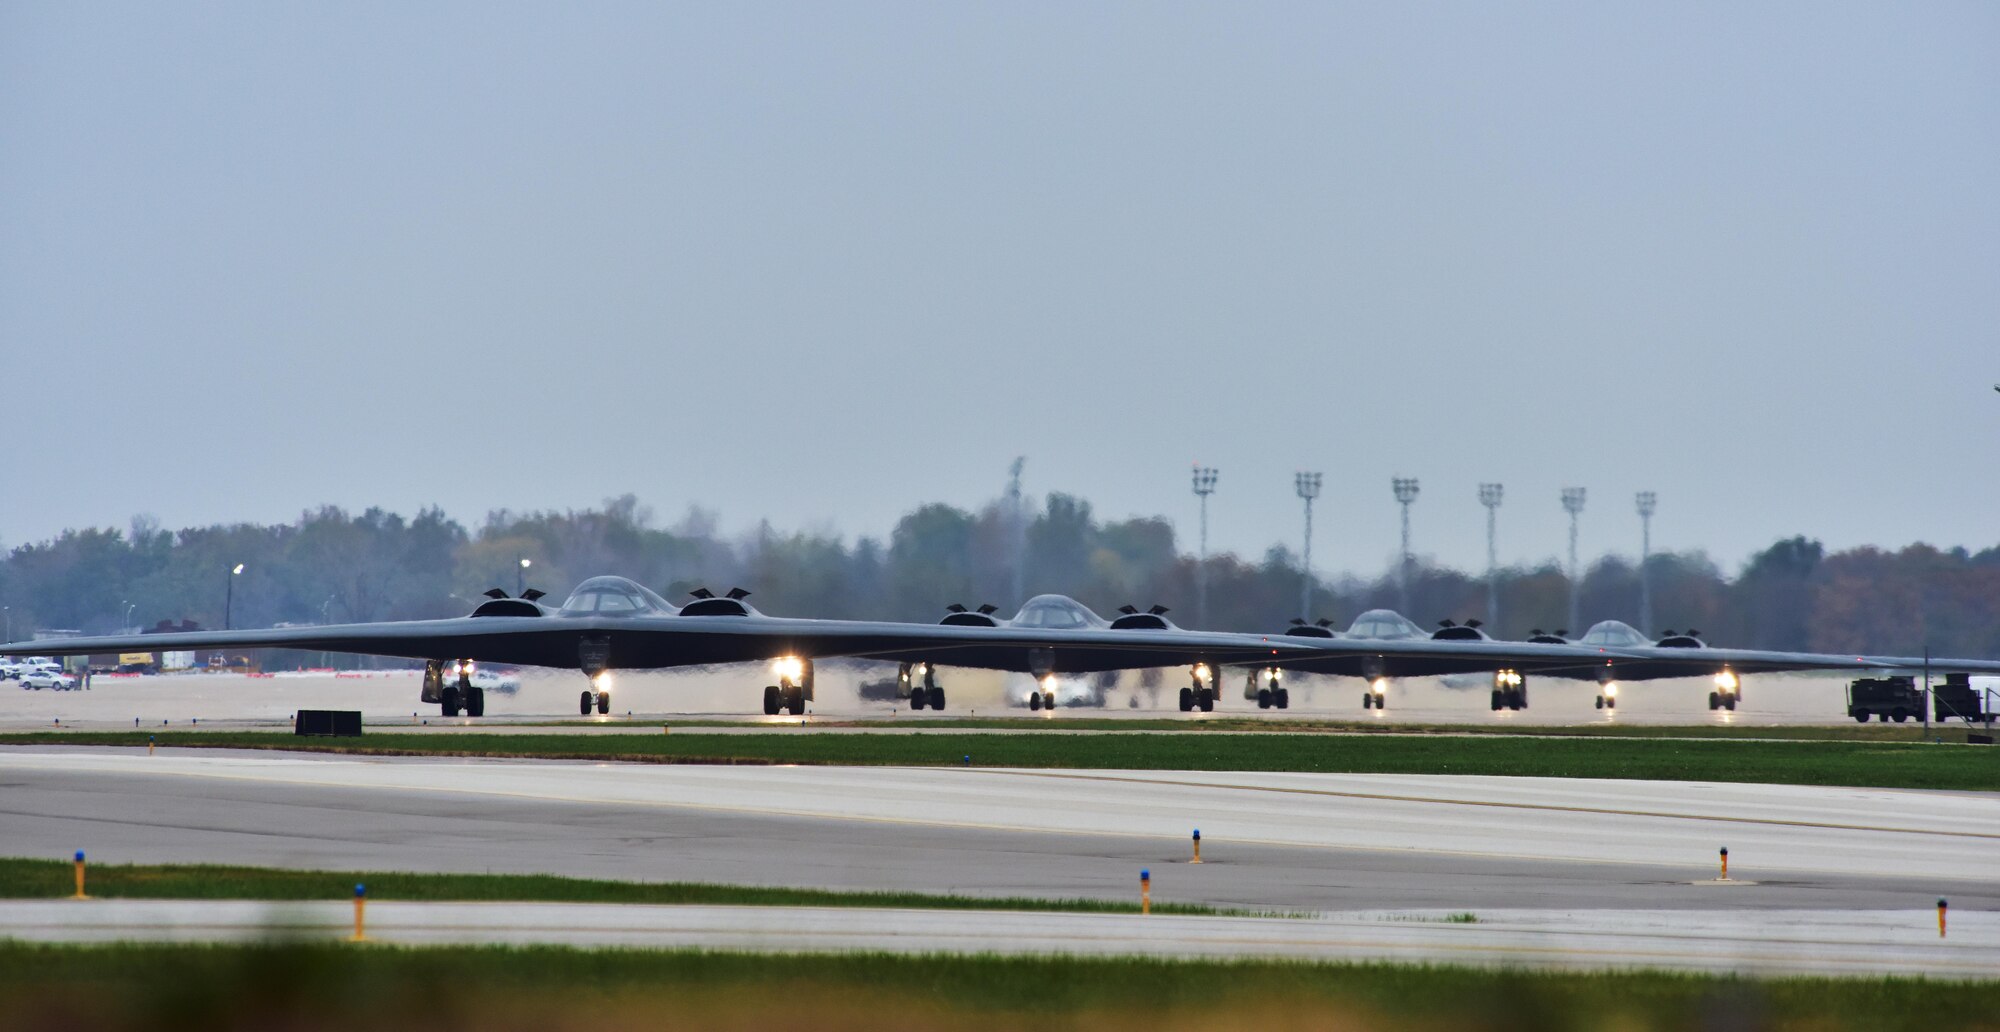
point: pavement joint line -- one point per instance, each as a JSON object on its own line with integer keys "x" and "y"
{"x": 268, "y": 775}
{"x": 1494, "y": 803}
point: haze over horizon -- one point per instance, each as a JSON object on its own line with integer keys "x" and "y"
{"x": 822, "y": 265}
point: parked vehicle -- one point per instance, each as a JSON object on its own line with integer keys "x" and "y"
{"x": 54, "y": 680}
{"x": 494, "y": 681}
{"x": 1884, "y": 698}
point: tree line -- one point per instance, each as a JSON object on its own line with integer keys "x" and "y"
{"x": 331, "y": 566}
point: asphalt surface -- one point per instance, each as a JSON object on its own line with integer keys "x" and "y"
{"x": 1900, "y": 942}
{"x": 1270, "y": 841}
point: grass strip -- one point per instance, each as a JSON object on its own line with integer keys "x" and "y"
{"x": 27, "y": 878}
{"x": 331, "y": 986}
{"x": 1856, "y": 764}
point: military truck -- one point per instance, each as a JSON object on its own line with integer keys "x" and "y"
{"x": 1886, "y": 698}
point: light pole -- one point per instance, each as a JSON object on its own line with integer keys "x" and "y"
{"x": 129, "y": 606}
{"x": 1648, "y": 501}
{"x": 1489, "y": 496}
{"x": 521, "y": 576}
{"x": 229, "y": 598}
{"x": 1573, "y": 503}
{"x": 8, "y": 611}
{"x": 1204, "y": 485}
{"x": 1308, "y": 485}
{"x": 1406, "y": 492}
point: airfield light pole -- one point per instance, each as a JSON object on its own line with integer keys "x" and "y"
{"x": 8, "y": 611}
{"x": 521, "y": 575}
{"x": 1573, "y": 503}
{"x": 1648, "y": 501}
{"x": 129, "y": 606}
{"x": 229, "y": 598}
{"x": 1489, "y": 496}
{"x": 1308, "y": 485}
{"x": 1204, "y": 485}
{"x": 1406, "y": 492}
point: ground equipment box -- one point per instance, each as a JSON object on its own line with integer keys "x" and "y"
{"x": 327, "y": 723}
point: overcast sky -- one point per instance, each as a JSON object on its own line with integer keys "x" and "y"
{"x": 822, "y": 262}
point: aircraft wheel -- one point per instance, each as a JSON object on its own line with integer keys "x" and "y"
{"x": 1861, "y": 716}
{"x": 1035, "y": 701}
{"x": 770, "y": 700}
{"x": 1264, "y": 699}
{"x": 1729, "y": 704}
{"x": 1714, "y": 700}
{"x": 916, "y": 699}
{"x": 937, "y": 699}
{"x": 603, "y": 704}
{"x": 1187, "y": 700}
{"x": 1208, "y": 700}
{"x": 1048, "y": 700}
{"x": 1600, "y": 702}
{"x": 1610, "y": 703}
{"x": 795, "y": 701}
{"x": 1284, "y": 698}
{"x": 583, "y": 703}
{"x": 475, "y": 702}
{"x": 1496, "y": 700}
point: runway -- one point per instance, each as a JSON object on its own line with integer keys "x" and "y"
{"x": 1744, "y": 941}
{"x": 1271, "y": 840}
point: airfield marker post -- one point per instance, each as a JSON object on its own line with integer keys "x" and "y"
{"x": 1941, "y": 909}
{"x": 1725, "y": 863}
{"x": 360, "y": 906}
{"x": 1145, "y": 888}
{"x": 1197, "y": 847}
{"x": 79, "y": 876}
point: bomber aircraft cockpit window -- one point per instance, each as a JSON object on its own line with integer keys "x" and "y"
{"x": 1055, "y": 611}
{"x": 613, "y": 596}
{"x": 1384, "y": 624}
{"x": 1615, "y": 634}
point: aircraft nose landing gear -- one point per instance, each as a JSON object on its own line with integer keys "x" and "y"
{"x": 597, "y": 696}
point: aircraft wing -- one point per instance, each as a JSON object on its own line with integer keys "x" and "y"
{"x": 1644, "y": 664}
{"x": 657, "y": 642}
{"x": 1423, "y": 657}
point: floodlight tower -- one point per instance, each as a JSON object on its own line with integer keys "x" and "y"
{"x": 1489, "y": 496}
{"x": 1204, "y": 485}
{"x": 1573, "y": 503}
{"x": 1308, "y": 485}
{"x": 1406, "y": 492}
{"x": 1648, "y": 501}
{"x": 229, "y": 598}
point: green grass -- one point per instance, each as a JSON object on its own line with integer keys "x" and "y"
{"x": 23, "y": 878}
{"x": 1865, "y": 764}
{"x": 500, "y": 989}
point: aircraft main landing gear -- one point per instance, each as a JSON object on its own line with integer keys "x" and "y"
{"x": 449, "y": 684}
{"x": 1510, "y": 690}
{"x": 1272, "y": 694}
{"x": 793, "y": 690}
{"x": 1199, "y": 695}
{"x": 925, "y": 693}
